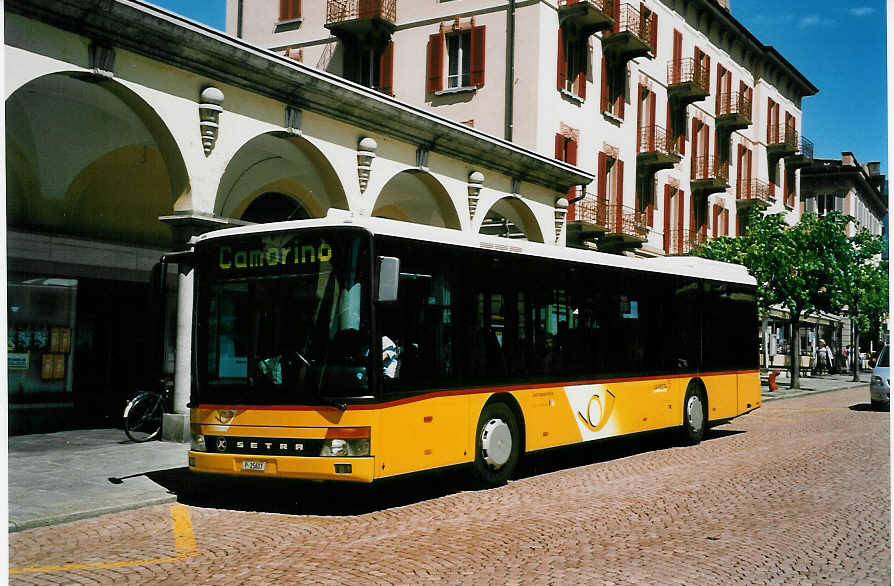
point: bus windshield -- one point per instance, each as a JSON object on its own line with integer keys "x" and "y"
{"x": 283, "y": 318}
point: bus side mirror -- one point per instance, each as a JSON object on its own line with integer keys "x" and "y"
{"x": 389, "y": 275}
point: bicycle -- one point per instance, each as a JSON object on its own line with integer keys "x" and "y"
{"x": 144, "y": 412}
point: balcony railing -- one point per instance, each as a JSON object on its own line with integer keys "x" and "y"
{"x": 708, "y": 168}
{"x": 655, "y": 139}
{"x": 755, "y": 190}
{"x": 629, "y": 20}
{"x": 616, "y": 219}
{"x": 734, "y": 104}
{"x": 604, "y": 6}
{"x": 683, "y": 241}
{"x": 778, "y": 134}
{"x": 806, "y": 147}
{"x": 587, "y": 16}
{"x": 345, "y": 10}
{"x": 687, "y": 71}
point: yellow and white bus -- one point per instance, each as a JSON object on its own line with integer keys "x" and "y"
{"x": 360, "y": 349}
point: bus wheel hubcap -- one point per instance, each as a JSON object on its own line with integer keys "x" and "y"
{"x": 696, "y": 413}
{"x": 496, "y": 443}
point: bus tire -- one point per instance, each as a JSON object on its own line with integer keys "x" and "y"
{"x": 695, "y": 416}
{"x": 497, "y": 441}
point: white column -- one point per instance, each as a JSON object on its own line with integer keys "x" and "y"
{"x": 183, "y": 360}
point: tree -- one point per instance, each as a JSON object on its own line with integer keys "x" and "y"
{"x": 861, "y": 281}
{"x": 796, "y": 267}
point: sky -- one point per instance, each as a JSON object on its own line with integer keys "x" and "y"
{"x": 838, "y": 46}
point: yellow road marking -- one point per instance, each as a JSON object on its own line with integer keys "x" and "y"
{"x": 184, "y": 539}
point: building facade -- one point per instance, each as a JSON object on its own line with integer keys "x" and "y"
{"x": 684, "y": 118}
{"x": 131, "y": 129}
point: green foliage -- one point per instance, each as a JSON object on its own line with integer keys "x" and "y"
{"x": 810, "y": 267}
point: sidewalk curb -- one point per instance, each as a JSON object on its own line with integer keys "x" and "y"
{"x": 79, "y": 515}
{"x": 792, "y": 393}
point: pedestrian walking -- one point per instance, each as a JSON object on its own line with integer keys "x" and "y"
{"x": 823, "y": 358}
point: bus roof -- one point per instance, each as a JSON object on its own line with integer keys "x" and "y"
{"x": 689, "y": 266}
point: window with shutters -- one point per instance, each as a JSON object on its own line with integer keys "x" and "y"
{"x": 572, "y": 64}
{"x": 614, "y": 80}
{"x": 463, "y": 67}
{"x": 371, "y": 67}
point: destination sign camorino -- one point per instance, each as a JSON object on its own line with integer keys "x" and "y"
{"x": 271, "y": 255}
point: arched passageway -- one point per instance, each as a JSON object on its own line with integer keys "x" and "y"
{"x": 90, "y": 169}
{"x": 415, "y": 196}
{"x": 275, "y": 177}
{"x": 510, "y": 217}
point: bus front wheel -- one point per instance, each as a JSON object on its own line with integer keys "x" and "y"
{"x": 695, "y": 420}
{"x": 496, "y": 445}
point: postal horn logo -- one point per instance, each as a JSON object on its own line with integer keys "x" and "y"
{"x": 599, "y": 408}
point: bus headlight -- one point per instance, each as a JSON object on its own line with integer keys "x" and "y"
{"x": 346, "y": 442}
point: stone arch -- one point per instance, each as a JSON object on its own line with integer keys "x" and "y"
{"x": 511, "y": 217}
{"x": 282, "y": 164}
{"x": 90, "y": 157}
{"x": 416, "y": 196}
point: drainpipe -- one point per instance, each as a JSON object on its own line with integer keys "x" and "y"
{"x": 510, "y": 70}
{"x": 239, "y": 19}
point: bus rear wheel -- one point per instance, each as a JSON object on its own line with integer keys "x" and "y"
{"x": 695, "y": 419}
{"x": 496, "y": 445}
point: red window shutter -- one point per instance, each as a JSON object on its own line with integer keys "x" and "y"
{"x": 435, "y": 63}
{"x": 616, "y": 15}
{"x": 681, "y": 197}
{"x": 719, "y": 89}
{"x": 667, "y": 218}
{"x": 560, "y": 147}
{"x": 678, "y": 45}
{"x": 707, "y": 71}
{"x": 289, "y": 9}
{"x": 561, "y": 65}
{"x": 640, "y": 90}
{"x": 653, "y": 34}
{"x": 697, "y": 149}
{"x": 600, "y": 178}
{"x": 619, "y": 187}
{"x": 692, "y": 225}
{"x": 653, "y": 135}
{"x": 603, "y": 102}
{"x": 386, "y": 70}
{"x": 769, "y": 121}
{"x": 476, "y": 73}
{"x": 748, "y": 165}
{"x": 726, "y": 222}
{"x": 714, "y": 218}
{"x": 571, "y": 152}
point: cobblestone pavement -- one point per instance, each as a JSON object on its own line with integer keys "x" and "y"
{"x": 797, "y": 492}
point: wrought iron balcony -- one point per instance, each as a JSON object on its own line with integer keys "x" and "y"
{"x": 679, "y": 242}
{"x": 782, "y": 140}
{"x": 734, "y": 111}
{"x": 687, "y": 81}
{"x": 803, "y": 157}
{"x": 587, "y": 16}
{"x": 616, "y": 227}
{"x": 631, "y": 36}
{"x": 656, "y": 149}
{"x": 360, "y": 18}
{"x": 709, "y": 175}
{"x": 753, "y": 192}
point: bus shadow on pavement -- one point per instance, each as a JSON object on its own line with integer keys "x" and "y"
{"x": 585, "y": 454}
{"x": 300, "y": 497}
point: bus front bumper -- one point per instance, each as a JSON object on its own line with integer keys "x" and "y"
{"x": 360, "y": 469}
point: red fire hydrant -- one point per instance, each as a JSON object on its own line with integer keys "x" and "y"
{"x": 772, "y": 380}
